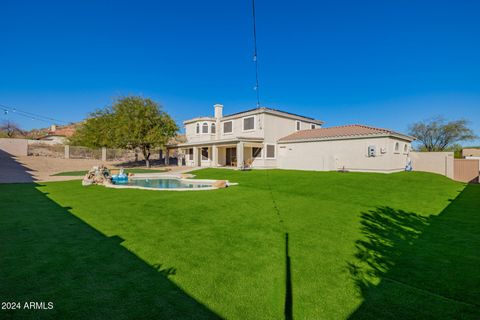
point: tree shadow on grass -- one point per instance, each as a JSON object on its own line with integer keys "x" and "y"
{"x": 49, "y": 255}
{"x": 413, "y": 267}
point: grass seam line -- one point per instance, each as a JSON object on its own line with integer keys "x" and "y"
{"x": 430, "y": 293}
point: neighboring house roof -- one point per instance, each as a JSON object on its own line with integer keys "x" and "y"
{"x": 342, "y": 132}
{"x": 179, "y": 138}
{"x": 471, "y": 152}
{"x": 66, "y": 132}
{"x": 255, "y": 111}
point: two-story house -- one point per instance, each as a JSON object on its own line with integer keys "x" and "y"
{"x": 270, "y": 138}
{"x": 245, "y": 138}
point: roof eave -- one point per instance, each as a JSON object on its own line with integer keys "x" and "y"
{"x": 351, "y": 137}
{"x": 199, "y": 119}
{"x": 273, "y": 112}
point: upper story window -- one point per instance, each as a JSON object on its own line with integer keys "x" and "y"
{"x": 248, "y": 123}
{"x": 227, "y": 127}
{"x": 212, "y": 128}
{"x": 205, "y": 127}
{"x": 198, "y": 128}
{"x": 405, "y": 148}
{"x": 397, "y": 146}
{"x": 297, "y": 125}
{"x": 312, "y": 126}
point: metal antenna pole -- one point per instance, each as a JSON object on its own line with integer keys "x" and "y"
{"x": 255, "y": 54}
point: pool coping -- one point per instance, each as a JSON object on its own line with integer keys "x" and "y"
{"x": 181, "y": 177}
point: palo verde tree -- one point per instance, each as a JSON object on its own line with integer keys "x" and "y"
{"x": 438, "y": 135}
{"x": 132, "y": 123}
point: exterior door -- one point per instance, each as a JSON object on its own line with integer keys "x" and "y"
{"x": 231, "y": 156}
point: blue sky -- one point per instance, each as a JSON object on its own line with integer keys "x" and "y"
{"x": 381, "y": 63}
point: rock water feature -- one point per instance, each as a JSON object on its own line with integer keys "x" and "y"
{"x": 97, "y": 175}
{"x": 102, "y": 175}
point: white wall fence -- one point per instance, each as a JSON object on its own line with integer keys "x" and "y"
{"x": 16, "y": 147}
{"x": 436, "y": 162}
{"x": 28, "y": 147}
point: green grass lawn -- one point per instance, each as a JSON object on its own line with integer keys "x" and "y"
{"x": 360, "y": 246}
{"x": 83, "y": 172}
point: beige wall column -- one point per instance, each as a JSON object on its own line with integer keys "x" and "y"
{"x": 67, "y": 151}
{"x": 195, "y": 157}
{"x": 104, "y": 154}
{"x": 180, "y": 157}
{"x": 167, "y": 157}
{"x": 240, "y": 147}
{"x": 214, "y": 156}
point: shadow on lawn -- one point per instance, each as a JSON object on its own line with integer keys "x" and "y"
{"x": 48, "y": 254}
{"x": 410, "y": 266}
{"x": 12, "y": 171}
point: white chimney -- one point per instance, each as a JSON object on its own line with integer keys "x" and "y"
{"x": 218, "y": 110}
{"x": 53, "y": 128}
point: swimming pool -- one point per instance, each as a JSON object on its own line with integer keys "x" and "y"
{"x": 165, "y": 183}
{"x": 171, "y": 182}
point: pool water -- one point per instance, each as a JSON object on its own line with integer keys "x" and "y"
{"x": 163, "y": 184}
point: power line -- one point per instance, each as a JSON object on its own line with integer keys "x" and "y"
{"x": 255, "y": 53}
{"x": 30, "y": 115}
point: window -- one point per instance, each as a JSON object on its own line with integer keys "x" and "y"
{"x": 256, "y": 153}
{"x": 248, "y": 123}
{"x": 270, "y": 151}
{"x": 190, "y": 154}
{"x": 297, "y": 125}
{"x": 205, "y": 153}
{"x": 397, "y": 146}
{"x": 312, "y": 126}
{"x": 405, "y": 148}
{"x": 205, "y": 127}
{"x": 212, "y": 128}
{"x": 198, "y": 128}
{"x": 227, "y": 127}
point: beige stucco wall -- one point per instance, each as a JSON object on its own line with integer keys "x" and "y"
{"x": 436, "y": 162}
{"x": 16, "y": 147}
{"x": 277, "y": 127}
{"x": 191, "y": 133}
{"x": 237, "y": 125}
{"x": 471, "y": 152}
{"x": 53, "y": 140}
{"x": 268, "y": 126}
{"x": 351, "y": 154}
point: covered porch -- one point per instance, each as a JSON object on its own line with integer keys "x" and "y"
{"x": 233, "y": 154}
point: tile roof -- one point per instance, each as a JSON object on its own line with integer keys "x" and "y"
{"x": 64, "y": 131}
{"x": 340, "y": 132}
